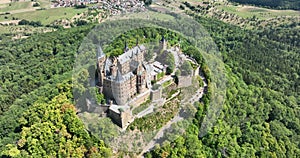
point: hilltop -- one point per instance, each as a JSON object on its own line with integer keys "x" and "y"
{"x": 258, "y": 47}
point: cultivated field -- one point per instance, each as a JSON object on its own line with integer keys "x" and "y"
{"x": 261, "y": 13}
{"x": 15, "y": 6}
{"x": 148, "y": 15}
{"x": 24, "y": 9}
{"x": 44, "y": 16}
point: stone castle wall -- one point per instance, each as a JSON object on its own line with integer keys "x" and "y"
{"x": 156, "y": 94}
{"x": 140, "y": 99}
{"x": 116, "y": 117}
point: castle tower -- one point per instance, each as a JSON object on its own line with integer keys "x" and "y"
{"x": 100, "y": 65}
{"x": 118, "y": 89}
{"x": 108, "y": 64}
{"x": 163, "y": 43}
{"x": 99, "y": 52}
{"x": 141, "y": 78}
{"x": 114, "y": 67}
{"x": 140, "y": 53}
{"x": 138, "y": 56}
{"x": 126, "y": 47}
{"x": 137, "y": 41}
{"x": 113, "y": 70}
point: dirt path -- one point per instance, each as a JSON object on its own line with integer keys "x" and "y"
{"x": 159, "y": 135}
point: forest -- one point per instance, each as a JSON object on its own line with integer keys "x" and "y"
{"x": 260, "y": 117}
{"x": 34, "y": 71}
{"x": 276, "y": 4}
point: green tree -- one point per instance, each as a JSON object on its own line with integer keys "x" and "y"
{"x": 186, "y": 68}
{"x": 170, "y": 61}
{"x": 54, "y": 130}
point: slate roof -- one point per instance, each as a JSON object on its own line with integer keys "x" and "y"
{"x": 108, "y": 63}
{"x": 128, "y": 76}
{"x": 100, "y": 53}
{"x": 123, "y": 58}
{"x": 119, "y": 78}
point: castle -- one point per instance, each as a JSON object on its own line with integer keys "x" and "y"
{"x": 125, "y": 81}
{"x": 123, "y": 77}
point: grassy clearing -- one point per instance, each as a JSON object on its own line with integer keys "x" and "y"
{"x": 45, "y": 16}
{"x": 166, "y": 84}
{"x": 158, "y": 119}
{"x": 15, "y": 6}
{"x": 45, "y": 3}
{"x": 151, "y": 15}
{"x": 142, "y": 107}
{"x": 261, "y": 13}
{"x": 4, "y": 30}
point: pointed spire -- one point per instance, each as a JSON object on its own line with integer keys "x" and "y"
{"x": 137, "y": 41}
{"x": 100, "y": 53}
{"x": 118, "y": 64}
{"x": 126, "y": 47}
{"x": 107, "y": 65}
{"x": 140, "y": 68}
{"x": 163, "y": 39}
{"x": 119, "y": 77}
{"x": 163, "y": 43}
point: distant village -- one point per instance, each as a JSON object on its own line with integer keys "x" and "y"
{"x": 114, "y": 6}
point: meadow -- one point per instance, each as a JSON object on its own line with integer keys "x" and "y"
{"x": 15, "y": 6}
{"x": 44, "y": 16}
{"x": 43, "y": 13}
{"x": 261, "y": 13}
